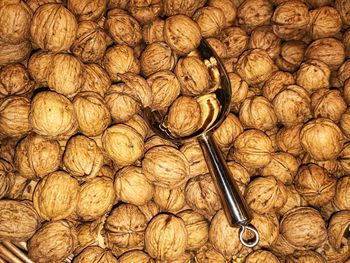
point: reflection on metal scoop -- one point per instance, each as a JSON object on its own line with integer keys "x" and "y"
{"x": 216, "y": 106}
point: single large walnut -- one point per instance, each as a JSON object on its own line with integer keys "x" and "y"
{"x": 56, "y": 196}
{"x": 322, "y": 139}
{"x": 37, "y": 156}
{"x": 39, "y": 65}
{"x": 288, "y": 140}
{"x": 337, "y": 229}
{"x": 14, "y": 53}
{"x": 53, "y": 242}
{"x": 132, "y": 187}
{"x": 170, "y": 200}
{"x": 95, "y": 254}
{"x": 276, "y": 83}
{"x": 96, "y": 79}
{"x": 261, "y": 256}
{"x": 228, "y": 8}
{"x": 154, "y": 31}
{"x": 135, "y": 256}
{"x": 341, "y": 198}
{"x": 193, "y": 153}
{"x": 292, "y": 54}
{"x": 182, "y": 34}
{"x": 263, "y": 37}
{"x": 166, "y": 237}
{"x": 53, "y": 27}
{"x": 87, "y": 9}
{"x": 239, "y": 89}
{"x": 18, "y": 220}
{"x": 235, "y": 40}
{"x": 145, "y": 11}
{"x": 96, "y": 198}
{"x": 123, "y": 144}
{"x": 307, "y": 256}
{"x": 211, "y": 20}
{"x": 150, "y": 210}
{"x": 14, "y": 116}
{"x": 125, "y": 227}
{"x": 325, "y": 22}
{"x": 140, "y": 125}
{"x": 304, "y": 228}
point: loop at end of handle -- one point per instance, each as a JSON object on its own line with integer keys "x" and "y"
{"x": 255, "y": 239}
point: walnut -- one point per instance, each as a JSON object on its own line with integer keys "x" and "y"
{"x": 123, "y": 144}
{"x": 150, "y": 210}
{"x": 292, "y": 105}
{"x": 235, "y": 40}
{"x": 341, "y": 198}
{"x": 145, "y": 11}
{"x": 35, "y": 4}
{"x": 193, "y": 153}
{"x": 120, "y": 59}
{"x": 66, "y": 75}
{"x": 346, "y": 42}
{"x": 322, "y": 139}
{"x": 14, "y": 116}
{"x": 7, "y": 178}
{"x": 14, "y": 53}
{"x": 329, "y": 50}
{"x": 91, "y": 112}
{"x": 18, "y": 220}
{"x": 304, "y": 228}
{"x": 288, "y": 140}
{"x": 219, "y": 47}
{"x": 56, "y": 196}
{"x": 291, "y": 56}
{"x": 175, "y": 7}
{"x": 239, "y": 174}
{"x": 223, "y": 237}
{"x": 344, "y": 157}
{"x": 346, "y": 91}
{"x": 166, "y": 237}
{"x": 53, "y": 27}
{"x": 328, "y": 103}
{"x": 39, "y": 65}
{"x": 165, "y": 166}
{"x": 294, "y": 200}
{"x": 305, "y": 256}
{"x": 343, "y": 8}
{"x": 95, "y": 254}
{"x": 122, "y": 4}
{"x": 201, "y": 195}
{"x": 337, "y": 227}
{"x": 53, "y": 242}
{"x": 37, "y": 156}
{"x": 123, "y": 28}
{"x": 344, "y": 72}
{"x": 125, "y": 227}
{"x": 170, "y": 200}
{"x": 140, "y": 125}
{"x": 252, "y": 148}
{"x": 344, "y": 123}
{"x": 318, "y": 3}
{"x": 87, "y": 10}
{"x": 325, "y": 22}
{"x": 165, "y": 88}
{"x": 283, "y": 167}
{"x": 15, "y": 80}
{"x": 290, "y": 20}
{"x": 255, "y": 66}
{"x": 276, "y": 83}
{"x": 239, "y": 89}
{"x": 155, "y": 140}
{"x": 15, "y": 19}
{"x": 254, "y": 13}
{"x": 154, "y": 31}
{"x": 52, "y": 114}
{"x": 91, "y": 42}
{"x": 258, "y": 113}
{"x": 264, "y": 194}
{"x": 261, "y": 256}
{"x": 333, "y": 256}
{"x": 90, "y": 234}
{"x": 282, "y": 247}
{"x": 135, "y": 256}
{"x": 132, "y": 187}
{"x": 211, "y": 20}
{"x": 157, "y": 56}
{"x": 182, "y": 34}
{"x": 208, "y": 254}
{"x": 313, "y": 75}
{"x": 96, "y": 79}
{"x": 228, "y": 8}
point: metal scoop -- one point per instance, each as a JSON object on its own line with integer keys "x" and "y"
{"x": 234, "y": 205}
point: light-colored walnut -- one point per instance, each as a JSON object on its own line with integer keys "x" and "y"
{"x": 156, "y": 140}
{"x": 91, "y": 234}
{"x": 334, "y": 256}
{"x": 288, "y": 140}
{"x": 263, "y": 37}
{"x": 211, "y": 20}
{"x": 87, "y": 9}
{"x": 325, "y": 21}
{"x": 39, "y": 65}
{"x": 276, "y": 83}
{"x": 239, "y": 89}
{"x": 308, "y": 256}
{"x": 96, "y": 79}
{"x": 337, "y": 227}
{"x": 261, "y": 256}
{"x": 292, "y": 54}
{"x": 208, "y": 254}
{"x": 235, "y": 40}
{"x": 239, "y": 174}
{"x": 228, "y": 8}
{"x": 154, "y": 31}
{"x": 219, "y": 47}
{"x": 145, "y": 11}
{"x": 194, "y": 155}
{"x": 170, "y": 200}
{"x": 174, "y": 7}
{"x": 95, "y": 254}
{"x": 341, "y": 198}
{"x": 344, "y": 157}
{"x": 282, "y": 247}
{"x": 35, "y": 4}
{"x": 14, "y": 53}
{"x": 140, "y": 125}
{"x": 294, "y": 199}
{"x": 135, "y": 256}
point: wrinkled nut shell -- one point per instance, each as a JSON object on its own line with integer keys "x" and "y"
{"x": 261, "y": 256}
{"x": 337, "y": 227}
{"x": 341, "y": 198}
{"x": 95, "y": 254}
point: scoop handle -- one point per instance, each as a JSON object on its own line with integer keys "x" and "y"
{"x": 235, "y": 207}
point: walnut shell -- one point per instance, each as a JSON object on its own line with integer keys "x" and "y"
{"x": 14, "y": 116}
{"x": 201, "y": 195}
{"x": 208, "y": 254}
{"x": 7, "y": 178}
{"x": 282, "y": 247}
{"x": 37, "y": 156}
{"x": 182, "y": 34}
{"x": 145, "y": 11}
{"x": 140, "y": 125}
{"x": 252, "y": 148}
{"x": 96, "y": 79}
{"x": 39, "y": 66}
{"x": 91, "y": 42}
{"x": 193, "y": 153}
{"x": 150, "y": 210}
{"x": 239, "y": 89}
{"x": 261, "y": 256}
{"x": 329, "y": 50}
{"x": 294, "y": 199}
{"x": 228, "y": 8}
{"x": 132, "y": 187}
{"x": 235, "y": 40}
{"x": 53, "y": 242}
{"x": 166, "y": 237}
{"x": 276, "y": 83}
{"x": 125, "y": 227}
{"x": 87, "y": 10}
{"x": 325, "y": 21}
{"x": 170, "y": 200}
{"x": 15, "y": 80}
{"x": 315, "y": 185}
{"x": 95, "y": 254}
{"x": 290, "y": 20}
{"x": 174, "y": 7}
{"x": 120, "y": 59}
{"x": 52, "y": 114}
{"x": 165, "y": 88}
{"x": 219, "y": 47}
{"x": 344, "y": 72}
{"x": 341, "y": 198}
{"x": 135, "y": 256}
{"x": 123, "y": 144}
{"x": 308, "y": 256}
{"x": 292, "y": 54}
{"x": 343, "y": 8}
{"x": 265, "y": 194}
{"x": 333, "y": 256}
{"x": 262, "y": 37}
{"x": 154, "y": 31}
{"x": 322, "y": 139}
{"x": 14, "y": 53}
{"x": 165, "y": 166}
{"x": 19, "y": 220}
{"x": 211, "y": 20}
{"x": 223, "y": 237}
{"x": 239, "y": 174}
{"x": 35, "y": 4}
{"x": 343, "y": 158}
{"x": 90, "y": 234}
{"x": 337, "y": 227}
{"x": 288, "y": 140}
{"x": 53, "y": 27}
{"x": 155, "y": 140}
{"x": 346, "y": 42}
{"x": 304, "y": 228}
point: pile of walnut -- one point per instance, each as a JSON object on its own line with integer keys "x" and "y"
{"x": 81, "y": 172}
